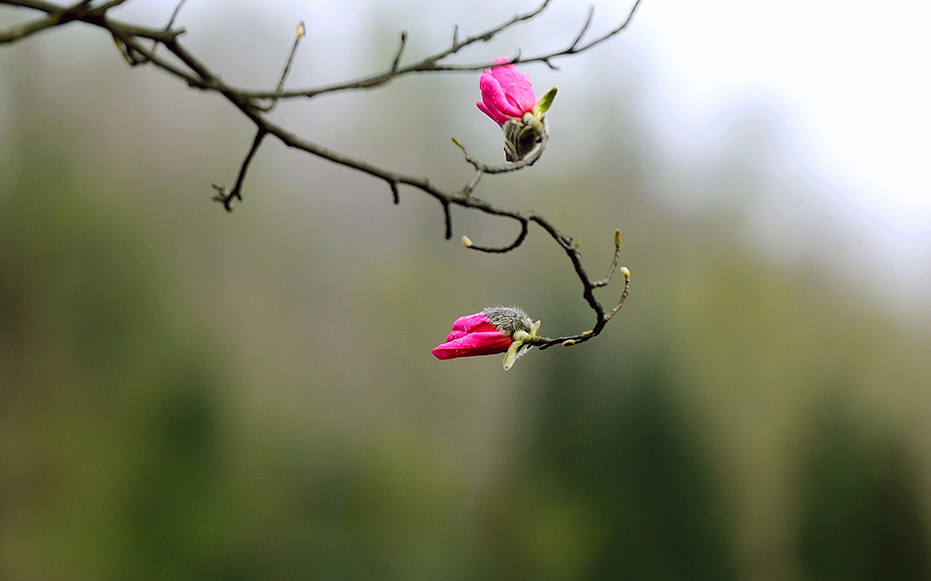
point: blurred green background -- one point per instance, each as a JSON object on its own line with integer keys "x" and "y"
{"x": 186, "y": 393}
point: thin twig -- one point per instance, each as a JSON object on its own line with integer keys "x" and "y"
{"x": 397, "y": 55}
{"x": 287, "y": 68}
{"x": 521, "y": 236}
{"x": 585, "y": 27}
{"x": 226, "y": 198}
{"x": 395, "y": 194}
{"x": 432, "y": 63}
{"x": 28, "y": 29}
{"x": 614, "y": 261}
{"x": 508, "y": 167}
{"x": 171, "y": 22}
{"x": 174, "y": 14}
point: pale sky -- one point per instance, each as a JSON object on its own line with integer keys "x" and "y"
{"x": 852, "y": 82}
{"x": 854, "y": 75}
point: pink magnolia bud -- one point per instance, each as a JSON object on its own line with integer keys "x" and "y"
{"x": 507, "y": 93}
{"x": 494, "y": 330}
{"x": 473, "y": 335}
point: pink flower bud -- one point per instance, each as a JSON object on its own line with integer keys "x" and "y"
{"x": 472, "y": 335}
{"x": 485, "y": 333}
{"x": 507, "y": 93}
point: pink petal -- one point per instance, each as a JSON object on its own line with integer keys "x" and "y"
{"x": 473, "y": 344}
{"x": 469, "y": 322}
{"x": 493, "y": 113}
{"x": 477, "y": 323}
{"x": 515, "y": 84}
{"x": 507, "y": 93}
{"x": 495, "y": 103}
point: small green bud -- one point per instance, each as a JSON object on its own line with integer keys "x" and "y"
{"x": 543, "y": 105}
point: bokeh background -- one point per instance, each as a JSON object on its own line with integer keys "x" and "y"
{"x": 186, "y": 393}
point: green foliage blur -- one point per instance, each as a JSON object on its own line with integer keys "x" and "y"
{"x": 190, "y": 394}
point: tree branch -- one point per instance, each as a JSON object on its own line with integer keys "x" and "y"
{"x": 139, "y": 46}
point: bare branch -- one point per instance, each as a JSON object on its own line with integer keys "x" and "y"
{"x": 114, "y": 3}
{"x": 28, "y": 29}
{"x": 447, "y": 218}
{"x": 524, "y": 230}
{"x": 56, "y": 16}
{"x": 585, "y": 27}
{"x": 488, "y": 34}
{"x": 432, "y": 64}
{"x": 483, "y": 168}
{"x": 400, "y": 51}
{"x": 171, "y": 22}
{"x": 395, "y": 194}
{"x": 226, "y": 198}
{"x": 174, "y": 14}
{"x": 614, "y": 261}
{"x": 588, "y": 288}
{"x": 610, "y": 34}
{"x": 139, "y": 45}
{"x": 287, "y": 68}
